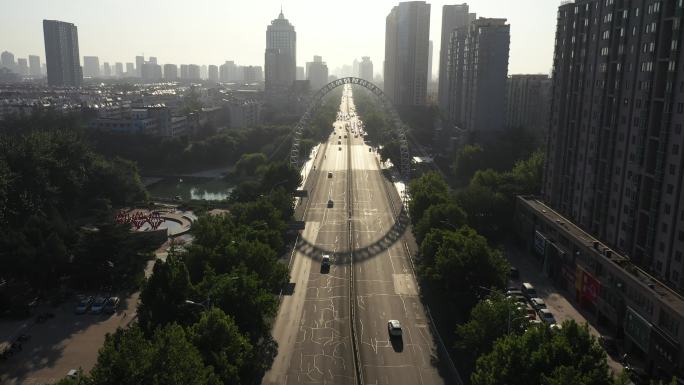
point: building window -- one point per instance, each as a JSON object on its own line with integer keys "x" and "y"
{"x": 678, "y": 128}
{"x": 668, "y": 208}
{"x": 670, "y": 188}
{"x": 680, "y": 235}
{"x": 675, "y": 149}
{"x": 678, "y": 256}
{"x": 675, "y": 275}
{"x": 672, "y": 169}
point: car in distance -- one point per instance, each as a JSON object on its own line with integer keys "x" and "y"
{"x": 98, "y": 305}
{"x": 339, "y": 142}
{"x": 83, "y": 305}
{"x": 325, "y": 260}
{"x": 394, "y": 328}
{"x": 330, "y": 203}
{"x": 538, "y": 303}
{"x": 112, "y": 305}
{"x": 546, "y": 316}
{"x": 339, "y": 148}
{"x": 528, "y": 290}
{"x": 329, "y": 174}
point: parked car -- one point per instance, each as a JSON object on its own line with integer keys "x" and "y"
{"x": 330, "y": 203}
{"x": 538, "y": 303}
{"x": 98, "y": 305}
{"x": 329, "y": 174}
{"x": 546, "y": 316}
{"x": 325, "y": 260}
{"x": 513, "y": 291}
{"x": 112, "y": 305}
{"x": 394, "y": 328}
{"x": 528, "y": 290}
{"x": 84, "y": 304}
{"x": 517, "y": 298}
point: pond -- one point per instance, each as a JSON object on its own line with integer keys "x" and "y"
{"x": 208, "y": 189}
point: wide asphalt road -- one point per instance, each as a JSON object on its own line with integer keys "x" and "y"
{"x": 314, "y": 324}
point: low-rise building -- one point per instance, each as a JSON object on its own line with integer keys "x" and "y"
{"x": 638, "y": 308}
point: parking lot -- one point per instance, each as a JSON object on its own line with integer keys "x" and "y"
{"x": 63, "y": 342}
{"x": 562, "y": 308}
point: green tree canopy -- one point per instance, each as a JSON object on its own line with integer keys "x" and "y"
{"x": 489, "y": 320}
{"x": 459, "y": 262}
{"x": 427, "y": 190}
{"x": 545, "y": 356}
{"x": 128, "y": 358}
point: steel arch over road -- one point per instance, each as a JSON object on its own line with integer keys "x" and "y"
{"x": 399, "y": 127}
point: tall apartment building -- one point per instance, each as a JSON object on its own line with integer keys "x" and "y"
{"x": 139, "y": 61}
{"x": 280, "y": 58}
{"x": 184, "y": 72}
{"x": 478, "y": 69}
{"x": 453, "y": 17}
{"x": 213, "y": 73}
{"x": 317, "y": 73}
{"x": 299, "y": 73}
{"x": 252, "y": 74}
{"x": 118, "y": 69}
{"x": 61, "y": 54}
{"x": 106, "y": 69}
{"x": 22, "y": 67}
{"x": 528, "y": 103}
{"x": 170, "y": 72}
{"x": 34, "y": 66}
{"x": 194, "y": 72}
{"x": 130, "y": 70}
{"x": 91, "y": 66}
{"x": 407, "y": 28}
{"x": 229, "y": 72}
{"x": 366, "y": 68}
{"x": 615, "y": 147}
{"x": 7, "y": 60}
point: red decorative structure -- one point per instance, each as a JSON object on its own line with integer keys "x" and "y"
{"x": 139, "y": 218}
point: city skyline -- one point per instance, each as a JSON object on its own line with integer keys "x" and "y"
{"x": 240, "y": 29}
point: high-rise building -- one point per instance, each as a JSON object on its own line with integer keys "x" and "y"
{"x": 528, "y": 103}
{"x": 478, "y": 70}
{"x": 355, "y": 68}
{"x": 429, "y": 77}
{"x": 7, "y": 60}
{"x": 139, "y": 61}
{"x": 406, "y": 53}
{"x": 22, "y": 67}
{"x": 453, "y": 17}
{"x": 170, "y": 72}
{"x": 184, "y": 72}
{"x": 213, "y": 74}
{"x": 203, "y": 72}
{"x": 280, "y": 56}
{"x": 91, "y": 66}
{"x": 229, "y": 72}
{"x": 366, "y": 69}
{"x": 194, "y": 72}
{"x": 118, "y": 69}
{"x": 130, "y": 70}
{"x": 615, "y": 144}
{"x": 151, "y": 72}
{"x": 34, "y": 66}
{"x": 317, "y": 73}
{"x": 300, "y": 75}
{"x": 61, "y": 54}
{"x": 106, "y": 69}
{"x": 152, "y": 59}
{"x": 252, "y": 74}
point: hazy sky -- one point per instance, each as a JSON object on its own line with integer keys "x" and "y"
{"x": 213, "y": 31}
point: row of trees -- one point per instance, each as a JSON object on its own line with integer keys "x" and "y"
{"x": 51, "y": 184}
{"x": 204, "y": 314}
{"x": 495, "y": 344}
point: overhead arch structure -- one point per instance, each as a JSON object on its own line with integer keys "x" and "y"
{"x": 398, "y": 126}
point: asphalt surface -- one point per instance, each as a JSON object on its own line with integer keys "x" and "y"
{"x": 315, "y": 320}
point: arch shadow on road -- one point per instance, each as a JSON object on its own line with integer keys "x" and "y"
{"x": 393, "y": 235}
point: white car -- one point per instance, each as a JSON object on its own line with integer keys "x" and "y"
{"x": 546, "y": 316}
{"x": 538, "y": 303}
{"x": 325, "y": 260}
{"x": 394, "y": 328}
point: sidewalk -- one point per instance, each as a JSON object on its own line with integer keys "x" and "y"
{"x": 563, "y": 308}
